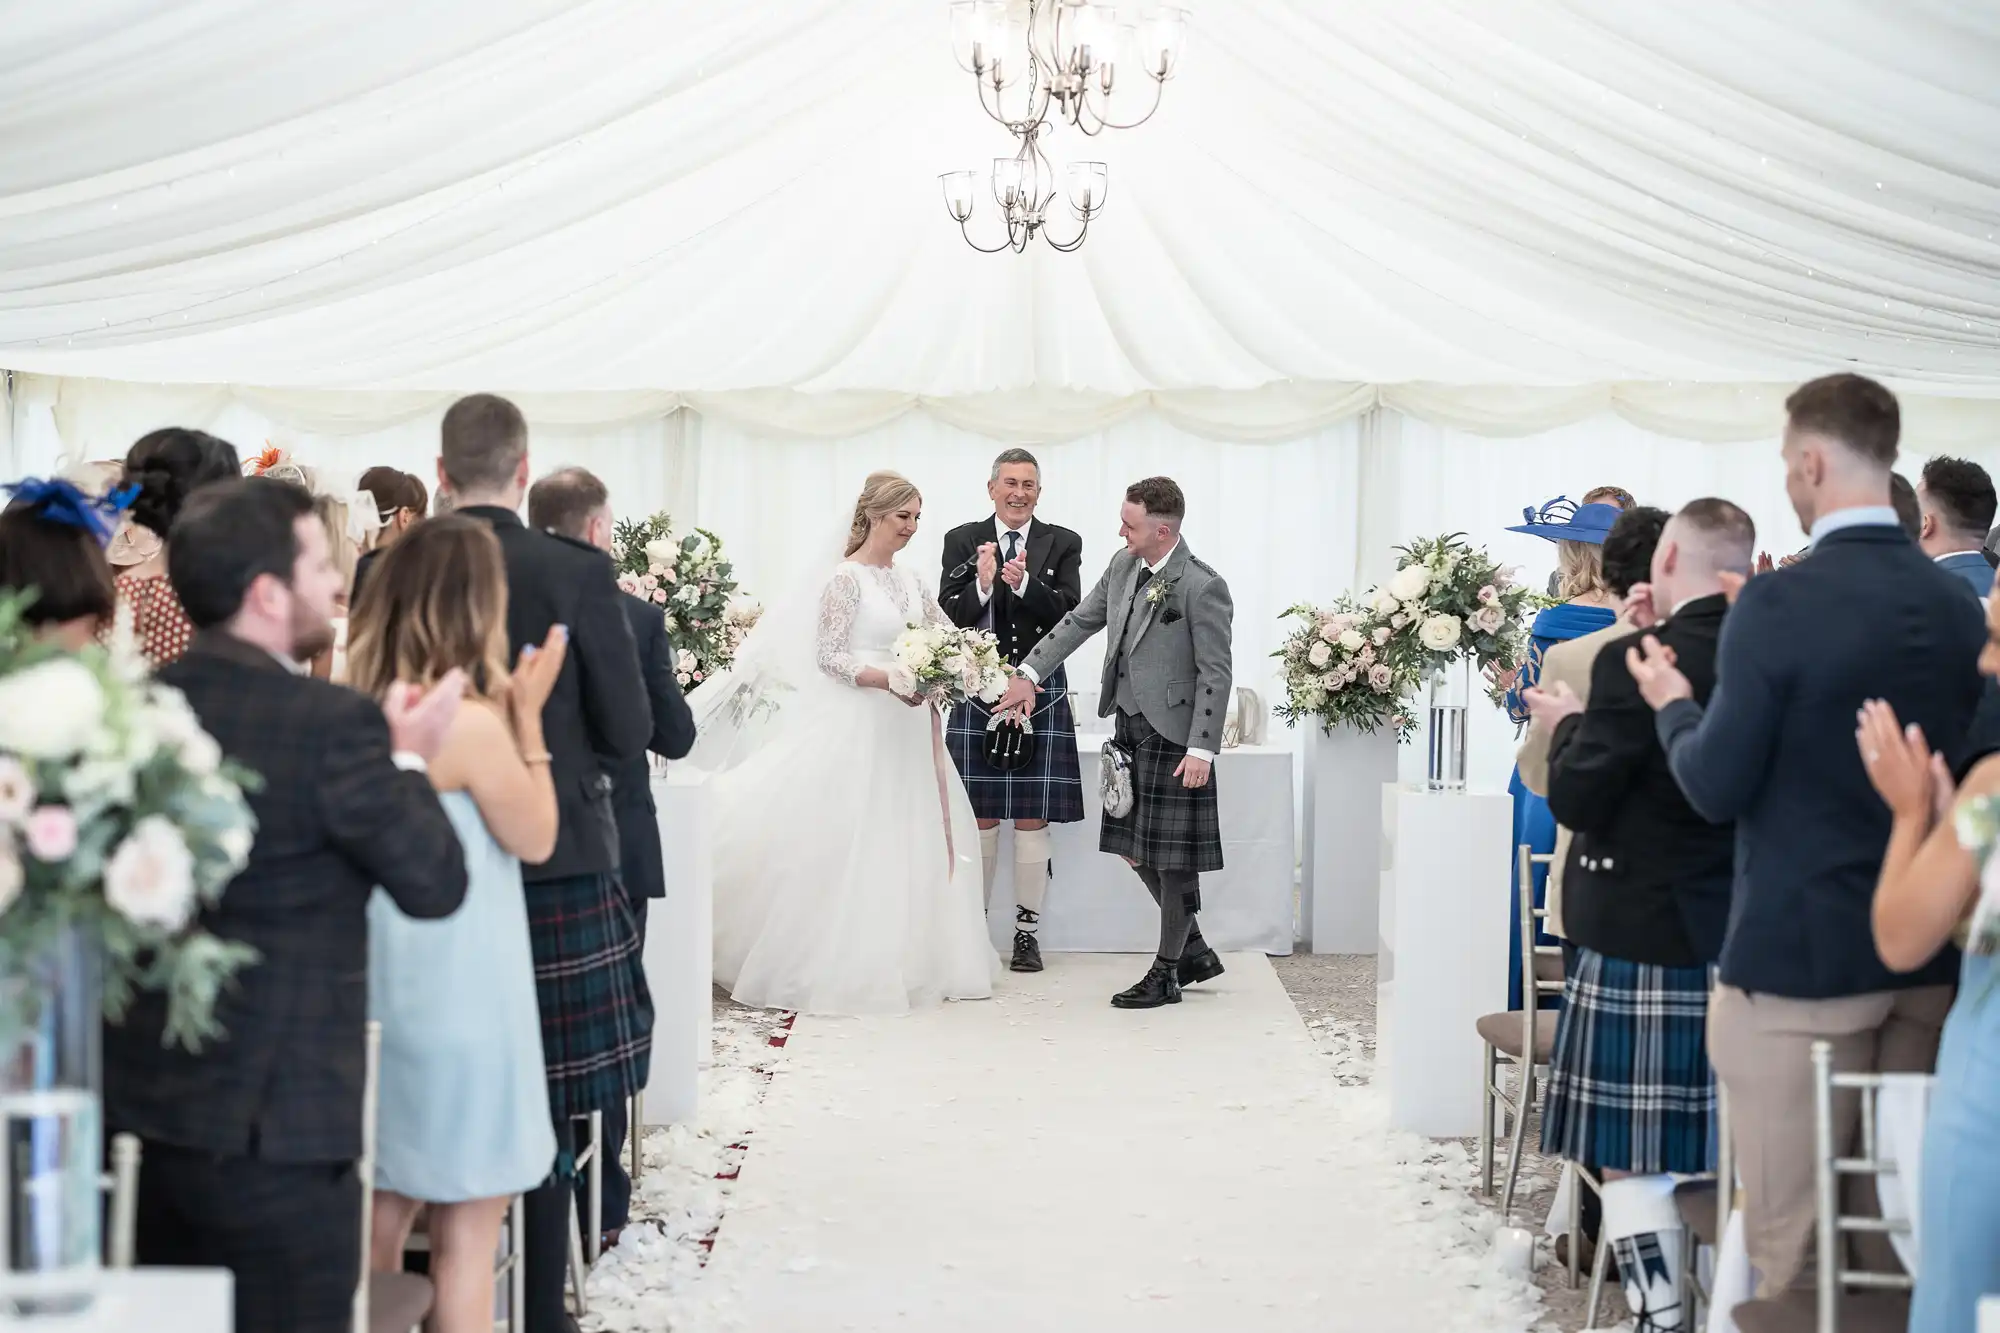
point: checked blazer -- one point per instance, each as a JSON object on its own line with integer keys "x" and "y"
{"x": 335, "y": 818}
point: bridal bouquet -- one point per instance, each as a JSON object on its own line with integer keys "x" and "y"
{"x": 687, "y": 577}
{"x": 946, "y": 664}
{"x": 1449, "y": 600}
{"x": 119, "y": 821}
{"x": 1337, "y": 670}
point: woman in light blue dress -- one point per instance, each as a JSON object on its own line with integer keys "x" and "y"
{"x": 464, "y": 1119}
{"x": 1940, "y": 885}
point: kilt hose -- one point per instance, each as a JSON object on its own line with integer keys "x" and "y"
{"x": 1050, "y": 788}
{"x": 1630, "y": 1085}
{"x": 597, "y": 1014}
{"x": 1171, "y": 827}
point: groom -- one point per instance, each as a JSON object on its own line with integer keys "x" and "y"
{"x": 1167, "y": 675}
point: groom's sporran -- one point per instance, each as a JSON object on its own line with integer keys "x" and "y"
{"x": 1017, "y": 576}
{"x": 1167, "y": 678}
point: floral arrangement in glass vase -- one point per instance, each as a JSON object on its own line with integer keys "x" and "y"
{"x": 1337, "y": 670}
{"x": 686, "y": 575}
{"x": 119, "y": 821}
{"x": 1450, "y": 601}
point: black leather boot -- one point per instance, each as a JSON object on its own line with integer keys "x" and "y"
{"x": 1199, "y": 964}
{"x": 1156, "y": 988}
{"x": 1027, "y": 953}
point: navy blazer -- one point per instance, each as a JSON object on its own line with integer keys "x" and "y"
{"x": 1868, "y": 616}
{"x": 1972, "y": 567}
{"x": 640, "y": 864}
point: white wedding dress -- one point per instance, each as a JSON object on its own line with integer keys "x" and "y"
{"x": 846, "y": 864}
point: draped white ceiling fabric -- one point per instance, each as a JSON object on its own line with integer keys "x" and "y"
{"x": 1499, "y": 215}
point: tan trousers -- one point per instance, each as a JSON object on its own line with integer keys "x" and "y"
{"x": 1762, "y": 1049}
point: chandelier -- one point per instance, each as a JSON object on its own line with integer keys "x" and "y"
{"x": 1037, "y": 62}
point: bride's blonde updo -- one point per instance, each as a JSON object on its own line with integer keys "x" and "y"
{"x": 881, "y": 495}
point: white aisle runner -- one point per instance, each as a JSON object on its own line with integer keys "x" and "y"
{"x": 1042, "y": 1161}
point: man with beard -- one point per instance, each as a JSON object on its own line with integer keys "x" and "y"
{"x": 249, "y": 1146}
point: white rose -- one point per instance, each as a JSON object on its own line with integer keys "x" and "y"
{"x": 663, "y": 552}
{"x": 17, "y": 792}
{"x": 1439, "y": 633}
{"x": 11, "y": 875}
{"x": 235, "y": 844}
{"x": 1400, "y": 619}
{"x": 1330, "y": 630}
{"x": 1486, "y": 619}
{"x": 1351, "y": 639}
{"x": 150, "y": 878}
{"x": 1382, "y": 602}
{"x": 1410, "y": 582}
{"x": 50, "y": 711}
{"x": 200, "y": 755}
{"x": 1319, "y": 654}
{"x": 911, "y": 652}
{"x": 902, "y": 682}
{"x": 1381, "y": 635}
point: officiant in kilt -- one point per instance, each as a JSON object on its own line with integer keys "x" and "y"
{"x": 1167, "y": 669}
{"x": 1016, "y": 576}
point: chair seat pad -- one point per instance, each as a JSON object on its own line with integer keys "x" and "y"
{"x": 1503, "y": 1033}
{"x": 397, "y": 1302}
{"x": 1696, "y": 1200}
{"x": 1798, "y": 1312}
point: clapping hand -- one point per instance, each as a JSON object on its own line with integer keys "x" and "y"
{"x": 1550, "y": 706}
{"x": 1912, "y": 781}
{"x": 1015, "y": 571}
{"x": 1660, "y": 681}
{"x": 1639, "y": 606}
{"x": 417, "y": 725}
{"x": 989, "y": 556}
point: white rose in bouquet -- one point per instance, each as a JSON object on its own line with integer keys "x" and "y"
{"x": 911, "y": 650}
{"x": 17, "y": 791}
{"x": 11, "y": 875}
{"x": 1319, "y": 654}
{"x": 1486, "y": 619}
{"x": 1351, "y": 639}
{"x": 903, "y": 681}
{"x": 1380, "y": 677}
{"x": 1382, "y": 602}
{"x": 662, "y": 553}
{"x": 1409, "y": 583}
{"x": 1400, "y": 619}
{"x": 1440, "y": 633}
{"x": 52, "y": 710}
{"x": 150, "y": 878}
{"x": 1381, "y": 635}
{"x": 1330, "y": 630}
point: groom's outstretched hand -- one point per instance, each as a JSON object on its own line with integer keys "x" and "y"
{"x": 1019, "y": 698}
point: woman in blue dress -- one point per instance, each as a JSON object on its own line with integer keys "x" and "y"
{"x": 1940, "y": 885}
{"x": 1587, "y": 606}
{"x": 464, "y": 1119}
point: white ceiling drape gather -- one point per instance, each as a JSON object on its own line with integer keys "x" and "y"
{"x": 1405, "y": 203}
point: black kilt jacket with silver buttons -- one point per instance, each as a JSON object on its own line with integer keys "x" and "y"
{"x": 1054, "y": 586}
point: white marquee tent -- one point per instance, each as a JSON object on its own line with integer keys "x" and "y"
{"x": 1377, "y": 266}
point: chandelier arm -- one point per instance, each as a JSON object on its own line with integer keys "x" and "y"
{"x": 1159, "y": 90}
{"x": 966, "y": 232}
{"x": 1066, "y": 247}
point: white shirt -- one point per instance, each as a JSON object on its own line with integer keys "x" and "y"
{"x": 1861, "y": 516}
{"x": 1000, "y": 531}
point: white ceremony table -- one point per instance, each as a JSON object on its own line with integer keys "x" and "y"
{"x": 678, "y": 956}
{"x": 155, "y": 1300}
{"x": 1443, "y": 964}
{"x": 1097, "y": 905}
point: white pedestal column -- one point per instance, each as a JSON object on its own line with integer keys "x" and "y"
{"x": 679, "y": 943}
{"x": 1443, "y": 962}
{"x": 1340, "y": 880}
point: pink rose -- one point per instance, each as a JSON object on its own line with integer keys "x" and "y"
{"x": 660, "y": 596}
{"x": 52, "y": 833}
{"x": 1379, "y": 677}
{"x": 1489, "y": 595}
{"x": 697, "y": 675}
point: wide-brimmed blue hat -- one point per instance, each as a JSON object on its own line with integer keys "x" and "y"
{"x": 1561, "y": 520}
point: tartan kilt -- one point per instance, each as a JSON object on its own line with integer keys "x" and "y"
{"x": 1050, "y": 788}
{"x": 1630, "y": 1085}
{"x": 1171, "y": 827}
{"x": 597, "y": 1013}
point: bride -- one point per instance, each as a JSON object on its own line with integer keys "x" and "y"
{"x": 847, "y": 872}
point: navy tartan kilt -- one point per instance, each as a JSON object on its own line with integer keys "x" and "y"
{"x": 1630, "y": 1085}
{"x": 1049, "y": 788}
{"x": 597, "y": 1013}
{"x": 1171, "y": 827}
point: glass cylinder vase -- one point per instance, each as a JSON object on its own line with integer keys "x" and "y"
{"x": 51, "y": 1136}
{"x": 1451, "y": 697}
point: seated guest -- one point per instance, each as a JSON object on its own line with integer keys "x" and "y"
{"x": 464, "y": 1121}
{"x": 1930, "y": 895}
{"x": 574, "y": 505}
{"x": 1865, "y": 616}
{"x": 52, "y": 539}
{"x": 597, "y": 1015}
{"x": 1587, "y": 607}
{"x": 249, "y": 1146}
{"x": 167, "y": 466}
{"x": 1958, "y": 503}
{"x": 1631, "y": 1095}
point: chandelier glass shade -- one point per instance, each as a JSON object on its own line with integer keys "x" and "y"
{"x": 1039, "y": 62}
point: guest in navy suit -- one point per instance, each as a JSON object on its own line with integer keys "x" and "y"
{"x": 1958, "y": 505}
{"x": 1866, "y": 616}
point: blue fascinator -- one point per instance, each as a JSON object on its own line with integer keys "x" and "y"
{"x": 64, "y": 502}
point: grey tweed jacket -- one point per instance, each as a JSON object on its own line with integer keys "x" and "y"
{"x": 1173, "y": 639}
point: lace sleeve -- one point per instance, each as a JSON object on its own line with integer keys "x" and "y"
{"x": 933, "y": 613}
{"x": 837, "y": 605}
